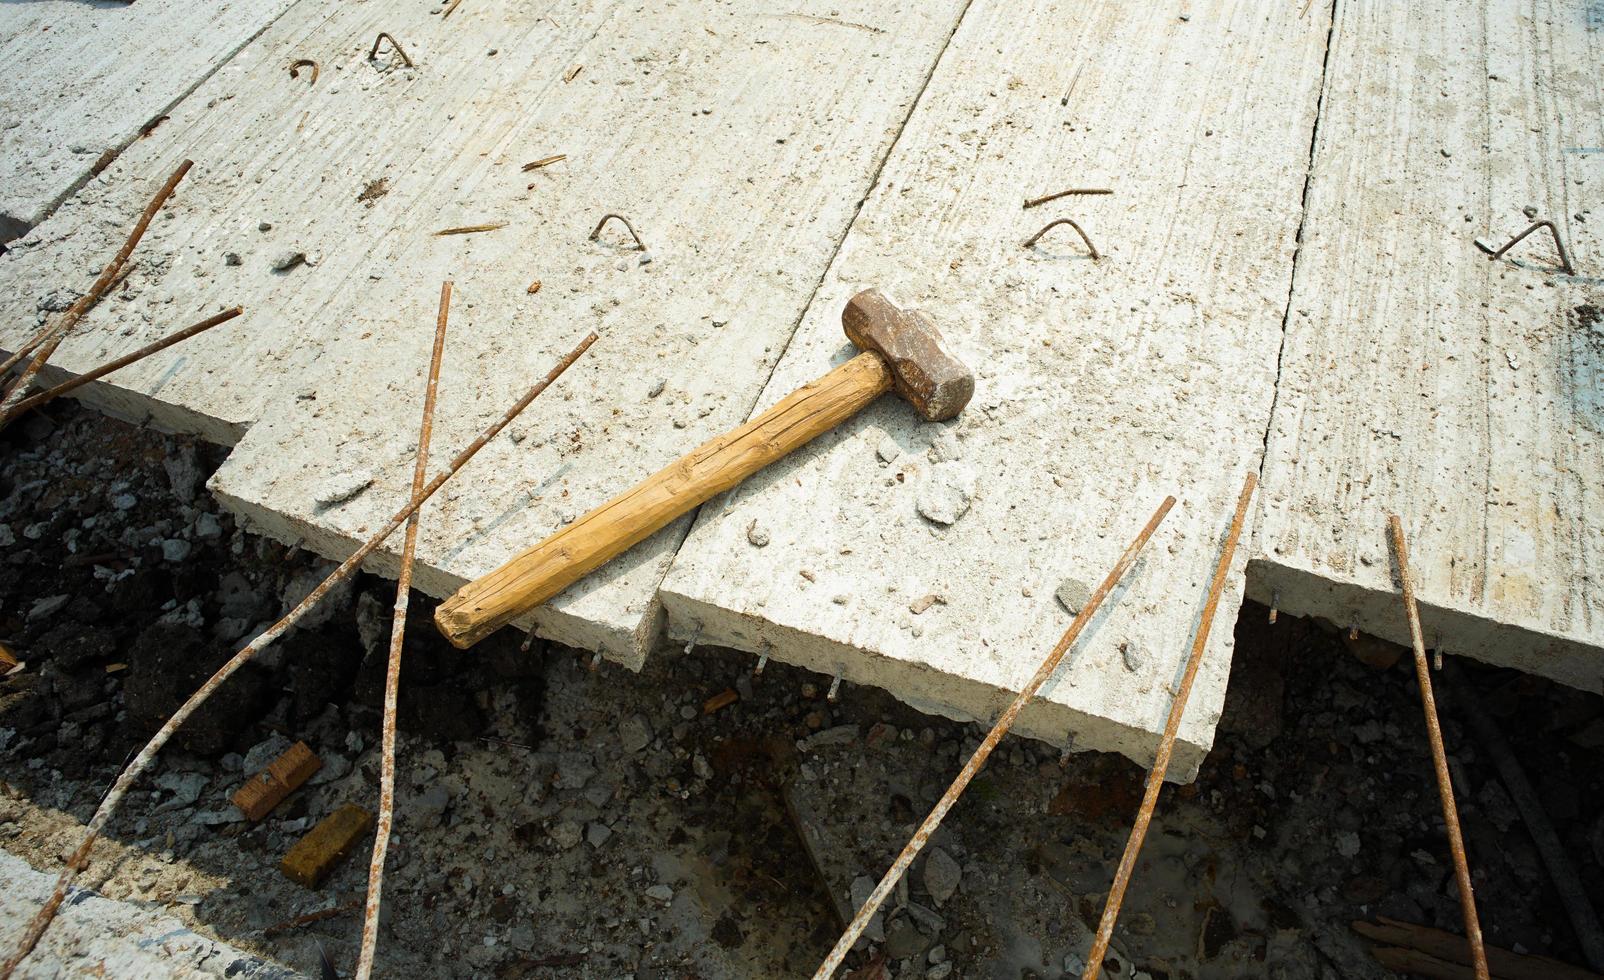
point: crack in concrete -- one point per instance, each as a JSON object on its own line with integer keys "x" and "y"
{"x": 1303, "y": 218}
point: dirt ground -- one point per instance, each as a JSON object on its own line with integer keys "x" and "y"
{"x": 555, "y": 820}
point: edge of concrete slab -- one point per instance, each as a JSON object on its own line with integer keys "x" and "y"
{"x": 920, "y": 687}
{"x": 140, "y": 408}
{"x": 1379, "y": 612}
{"x": 626, "y": 647}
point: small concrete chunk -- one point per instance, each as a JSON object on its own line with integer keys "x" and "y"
{"x": 947, "y": 494}
{"x": 1073, "y": 595}
{"x": 340, "y": 487}
{"x": 942, "y": 875}
{"x": 635, "y": 732}
{"x": 316, "y": 854}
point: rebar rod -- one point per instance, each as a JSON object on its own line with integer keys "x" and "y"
{"x": 843, "y": 945}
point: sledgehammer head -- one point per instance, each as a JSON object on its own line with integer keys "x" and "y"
{"x": 923, "y": 371}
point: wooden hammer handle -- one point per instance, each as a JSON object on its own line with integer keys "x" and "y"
{"x": 486, "y": 604}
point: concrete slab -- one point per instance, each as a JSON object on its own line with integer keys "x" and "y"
{"x": 83, "y": 79}
{"x": 94, "y": 936}
{"x": 737, "y": 141}
{"x": 1103, "y": 385}
{"x": 1423, "y": 379}
{"x": 349, "y": 172}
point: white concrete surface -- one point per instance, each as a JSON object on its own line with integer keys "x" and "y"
{"x": 1421, "y": 378}
{"x": 94, "y": 936}
{"x": 1408, "y": 372}
{"x": 737, "y": 143}
{"x": 80, "y": 79}
{"x": 1103, "y": 386}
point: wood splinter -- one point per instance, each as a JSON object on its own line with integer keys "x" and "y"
{"x": 471, "y": 229}
{"x": 544, "y": 162}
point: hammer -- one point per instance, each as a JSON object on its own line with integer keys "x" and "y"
{"x": 901, "y": 350}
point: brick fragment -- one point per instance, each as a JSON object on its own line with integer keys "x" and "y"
{"x": 265, "y": 790}
{"x": 316, "y": 854}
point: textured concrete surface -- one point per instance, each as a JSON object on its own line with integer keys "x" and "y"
{"x": 736, "y": 142}
{"x": 94, "y": 936}
{"x": 1421, "y": 378}
{"x": 83, "y": 79}
{"x": 925, "y": 558}
{"x": 1384, "y": 363}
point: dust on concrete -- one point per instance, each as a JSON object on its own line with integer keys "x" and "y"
{"x": 554, "y": 821}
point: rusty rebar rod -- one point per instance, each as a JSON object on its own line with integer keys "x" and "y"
{"x": 47, "y": 340}
{"x": 596, "y": 232}
{"x": 1166, "y": 744}
{"x": 1078, "y": 230}
{"x": 147, "y": 755}
{"x": 1077, "y": 191}
{"x": 95, "y": 374}
{"x": 373, "y": 53}
{"x": 1439, "y": 757}
{"x": 1004, "y": 723}
{"x": 398, "y": 629}
{"x": 1559, "y": 244}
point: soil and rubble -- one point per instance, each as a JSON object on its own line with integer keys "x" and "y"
{"x": 558, "y": 821}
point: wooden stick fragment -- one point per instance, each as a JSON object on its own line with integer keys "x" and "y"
{"x": 843, "y": 945}
{"x": 1439, "y": 757}
{"x": 46, "y": 341}
{"x": 398, "y": 628}
{"x": 470, "y": 229}
{"x": 147, "y": 755}
{"x": 154, "y": 347}
{"x": 1166, "y": 744}
{"x": 544, "y": 162}
{"x": 1398, "y": 937}
{"x": 309, "y": 918}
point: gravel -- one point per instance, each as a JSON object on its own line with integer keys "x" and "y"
{"x": 547, "y": 813}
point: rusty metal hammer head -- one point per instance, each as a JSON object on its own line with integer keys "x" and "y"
{"x": 937, "y": 384}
